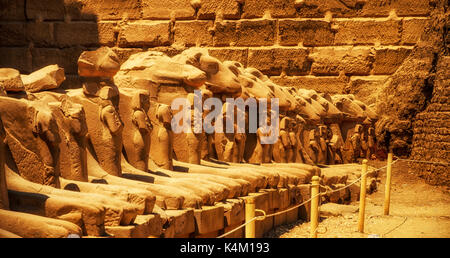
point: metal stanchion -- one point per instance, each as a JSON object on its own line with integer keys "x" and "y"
{"x": 249, "y": 215}
{"x": 314, "y": 206}
{"x": 387, "y": 192}
{"x": 362, "y": 197}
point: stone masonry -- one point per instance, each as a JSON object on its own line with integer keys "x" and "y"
{"x": 335, "y": 46}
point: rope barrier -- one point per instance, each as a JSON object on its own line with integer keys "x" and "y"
{"x": 422, "y": 161}
{"x": 357, "y": 180}
{"x": 264, "y": 216}
{"x": 293, "y": 207}
{"x": 236, "y": 229}
{"x": 390, "y": 231}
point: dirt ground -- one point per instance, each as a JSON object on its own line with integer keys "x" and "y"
{"x": 417, "y": 210}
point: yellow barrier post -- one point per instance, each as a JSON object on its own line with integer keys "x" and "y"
{"x": 362, "y": 197}
{"x": 249, "y": 215}
{"x": 314, "y": 206}
{"x": 387, "y": 192}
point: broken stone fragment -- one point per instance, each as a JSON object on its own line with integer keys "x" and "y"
{"x": 102, "y": 62}
{"x": 47, "y": 78}
{"x": 10, "y": 80}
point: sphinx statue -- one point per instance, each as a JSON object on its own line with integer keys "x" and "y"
{"x": 36, "y": 176}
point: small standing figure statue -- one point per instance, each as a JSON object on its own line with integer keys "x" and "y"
{"x": 162, "y": 154}
{"x": 283, "y": 147}
{"x": 314, "y": 146}
{"x": 323, "y": 145}
{"x": 356, "y": 143}
{"x": 371, "y": 142}
{"x": 293, "y": 142}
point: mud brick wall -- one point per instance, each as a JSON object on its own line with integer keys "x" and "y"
{"x": 336, "y": 46}
{"x": 431, "y": 140}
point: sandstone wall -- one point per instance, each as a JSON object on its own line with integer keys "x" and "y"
{"x": 328, "y": 45}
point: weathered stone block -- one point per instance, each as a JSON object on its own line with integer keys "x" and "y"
{"x": 41, "y": 34}
{"x": 234, "y": 54}
{"x": 306, "y": 32}
{"x": 372, "y": 8}
{"x": 276, "y": 8}
{"x": 295, "y": 196}
{"x": 234, "y": 212}
{"x": 66, "y": 58}
{"x": 318, "y": 8}
{"x": 144, "y": 226}
{"x": 245, "y": 33}
{"x": 49, "y": 77}
{"x": 21, "y": 34}
{"x": 284, "y": 198}
{"x": 361, "y": 32}
{"x": 103, "y": 9}
{"x": 125, "y": 53}
{"x": 182, "y": 222}
{"x": 304, "y": 211}
{"x": 225, "y": 33}
{"x": 401, "y": 8}
{"x": 273, "y": 61}
{"x": 327, "y": 84}
{"x": 412, "y": 29}
{"x": 193, "y": 33}
{"x": 145, "y": 33}
{"x": 389, "y": 59}
{"x": 76, "y": 33}
{"x": 12, "y": 35}
{"x": 107, "y": 33}
{"x": 365, "y": 88}
{"x": 274, "y": 198}
{"x": 166, "y": 9}
{"x": 17, "y": 58}
{"x": 256, "y": 33}
{"x": 45, "y": 10}
{"x": 292, "y": 215}
{"x": 209, "y": 219}
{"x": 12, "y": 10}
{"x": 279, "y": 220}
{"x": 227, "y": 9}
{"x": 10, "y": 80}
{"x": 334, "y": 60}
{"x": 263, "y": 226}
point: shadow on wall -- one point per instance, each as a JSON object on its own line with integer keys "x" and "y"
{"x": 37, "y": 33}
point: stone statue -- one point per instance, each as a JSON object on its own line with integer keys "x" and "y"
{"x": 73, "y": 130}
{"x": 134, "y": 105}
{"x": 225, "y": 142}
{"x": 355, "y": 141}
{"x": 161, "y": 147}
{"x": 283, "y": 148}
{"x": 33, "y": 139}
{"x": 314, "y": 146}
{"x": 323, "y": 146}
{"x": 301, "y": 156}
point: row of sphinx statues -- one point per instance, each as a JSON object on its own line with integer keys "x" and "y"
{"x": 101, "y": 154}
